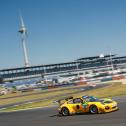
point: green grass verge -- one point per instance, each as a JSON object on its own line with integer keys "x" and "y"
{"x": 115, "y": 89}
{"x": 35, "y": 96}
{"x": 27, "y": 106}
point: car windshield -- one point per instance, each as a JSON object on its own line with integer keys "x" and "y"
{"x": 90, "y": 98}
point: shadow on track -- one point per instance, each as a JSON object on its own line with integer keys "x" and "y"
{"x": 59, "y": 115}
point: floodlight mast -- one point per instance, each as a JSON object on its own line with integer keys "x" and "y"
{"x": 23, "y": 32}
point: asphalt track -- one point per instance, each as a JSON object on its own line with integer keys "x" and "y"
{"x": 49, "y": 117}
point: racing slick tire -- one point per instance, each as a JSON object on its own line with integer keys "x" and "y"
{"x": 65, "y": 111}
{"x": 93, "y": 109}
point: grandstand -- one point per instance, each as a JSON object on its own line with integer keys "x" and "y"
{"x": 96, "y": 63}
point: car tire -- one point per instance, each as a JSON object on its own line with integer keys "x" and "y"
{"x": 93, "y": 109}
{"x": 65, "y": 111}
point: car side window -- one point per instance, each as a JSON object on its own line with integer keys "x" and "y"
{"x": 70, "y": 102}
{"x": 77, "y": 100}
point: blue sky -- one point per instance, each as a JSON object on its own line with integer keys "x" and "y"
{"x": 61, "y": 30}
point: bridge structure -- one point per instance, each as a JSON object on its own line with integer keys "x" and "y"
{"x": 82, "y": 64}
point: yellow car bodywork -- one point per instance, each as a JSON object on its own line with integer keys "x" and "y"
{"x": 84, "y": 105}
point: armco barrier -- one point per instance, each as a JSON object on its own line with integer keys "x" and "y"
{"x": 106, "y": 79}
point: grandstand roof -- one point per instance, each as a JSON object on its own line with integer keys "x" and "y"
{"x": 85, "y": 60}
{"x": 95, "y": 57}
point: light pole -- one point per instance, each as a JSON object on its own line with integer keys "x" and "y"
{"x": 77, "y": 67}
{"x": 111, "y": 63}
{"x": 23, "y": 32}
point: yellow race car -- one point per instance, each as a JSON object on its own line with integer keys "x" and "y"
{"x": 86, "y": 104}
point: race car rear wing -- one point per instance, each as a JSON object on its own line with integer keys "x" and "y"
{"x": 61, "y": 101}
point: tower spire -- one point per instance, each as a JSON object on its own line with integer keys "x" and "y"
{"x": 23, "y": 32}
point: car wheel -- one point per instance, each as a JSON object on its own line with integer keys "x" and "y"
{"x": 65, "y": 111}
{"x": 93, "y": 109}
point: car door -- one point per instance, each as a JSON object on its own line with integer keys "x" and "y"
{"x": 77, "y": 105}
